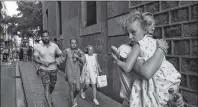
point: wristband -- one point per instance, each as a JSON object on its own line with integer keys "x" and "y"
{"x": 163, "y": 49}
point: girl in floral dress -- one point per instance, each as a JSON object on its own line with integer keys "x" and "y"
{"x": 90, "y": 72}
{"x": 152, "y": 91}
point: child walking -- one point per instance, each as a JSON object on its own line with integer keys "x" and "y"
{"x": 90, "y": 72}
{"x": 154, "y": 90}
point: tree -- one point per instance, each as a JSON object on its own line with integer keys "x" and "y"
{"x": 1, "y": 28}
{"x": 28, "y": 22}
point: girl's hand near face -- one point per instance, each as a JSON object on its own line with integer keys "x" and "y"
{"x": 115, "y": 53}
{"x": 115, "y": 58}
{"x": 115, "y": 50}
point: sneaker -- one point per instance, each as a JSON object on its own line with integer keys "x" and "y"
{"x": 75, "y": 102}
{"x": 95, "y": 101}
{"x": 75, "y": 105}
{"x": 52, "y": 104}
{"x": 82, "y": 94}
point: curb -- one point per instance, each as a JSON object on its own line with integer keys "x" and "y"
{"x": 22, "y": 86}
{"x": 62, "y": 73}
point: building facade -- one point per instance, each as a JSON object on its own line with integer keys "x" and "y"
{"x": 2, "y": 25}
{"x": 97, "y": 23}
{"x": 5, "y": 38}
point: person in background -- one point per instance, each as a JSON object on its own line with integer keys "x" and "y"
{"x": 29, "y": 53}
{"x": 37, "y": 41}
{"x": 21, "y": 54}
{"x": 5, "y": 55}
{"x": 56, "y": 42}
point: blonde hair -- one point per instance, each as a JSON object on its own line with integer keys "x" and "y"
{"x": 147, "y": 23}
{"x": 131, "y": 17}
{"x": 147, "y": 14}
{"x": 89, "y": 47}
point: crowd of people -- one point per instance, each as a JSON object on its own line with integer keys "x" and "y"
{"x": 25, "y": 54}
{"x": 5, "y": 55}
{"x": 13, "y": 55}
{"x": 148, "y": 79}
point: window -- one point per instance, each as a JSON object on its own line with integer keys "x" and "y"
{"x": 47, "y": 13}
{"x": 60, "y": 17}
{"x": 47, "y": 18}
{"x": 91, "y": 13}
{"x": 90, "y": 17}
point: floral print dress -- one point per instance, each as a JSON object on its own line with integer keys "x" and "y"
{"x": 154, "y": 92}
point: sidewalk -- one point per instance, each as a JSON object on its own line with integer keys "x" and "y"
{"x": 34, "y": 91}
{"x": 8, "y": 86}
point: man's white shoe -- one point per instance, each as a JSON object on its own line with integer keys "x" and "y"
{"x": 96, "y": 102}
{"x": 82, "y": 94}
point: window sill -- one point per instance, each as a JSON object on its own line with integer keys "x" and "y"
{"x": 93, "y": 29}
{"x": 90, "y": 29}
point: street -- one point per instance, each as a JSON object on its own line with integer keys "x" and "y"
{"x": 34, "y": 91}
{"x": 8, "y": 85}
{"x": 166, "y": 29}
{"x": 16, "y": 77}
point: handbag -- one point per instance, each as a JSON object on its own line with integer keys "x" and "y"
{"x": 101, "y": 81}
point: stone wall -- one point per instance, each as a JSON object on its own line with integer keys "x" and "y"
{"x": 176, "y": 21}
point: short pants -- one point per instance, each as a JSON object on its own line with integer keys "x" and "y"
{"x": 48, "y": 77}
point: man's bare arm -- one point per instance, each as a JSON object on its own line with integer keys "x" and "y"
{"x": 38, "y": 61}
{"x": 60, "y": 54}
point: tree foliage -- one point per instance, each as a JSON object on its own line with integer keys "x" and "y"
{"x": 29, "y": 19}
{"x": 1, "y": 28}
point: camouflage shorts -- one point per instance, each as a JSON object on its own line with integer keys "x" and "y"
{"x": 48, "y": 77}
